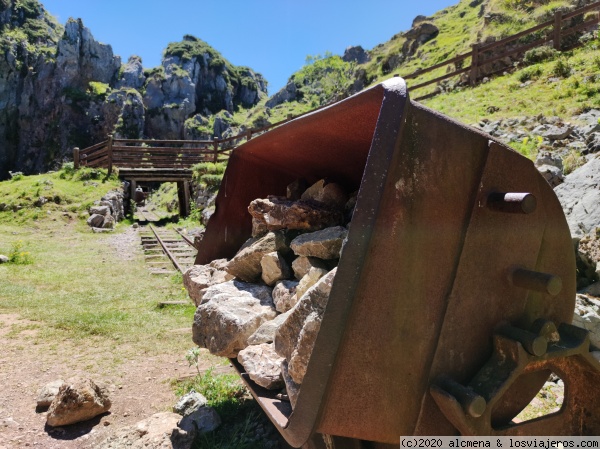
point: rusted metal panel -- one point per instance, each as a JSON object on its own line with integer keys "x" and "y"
{"x": 453, "y": 235}
{"x": 398, "y": 310}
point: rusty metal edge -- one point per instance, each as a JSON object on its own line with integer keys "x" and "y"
{"x": 304, "y": 420}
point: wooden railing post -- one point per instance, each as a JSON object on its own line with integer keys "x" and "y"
{"x": 474, "y": 65}
{"x": 76, "y": 158}
{"x": 249, "y": 134}
{"x": 557, "y": 28}
{"x": 109, "y": 152}
{"x": 215, "y": 150}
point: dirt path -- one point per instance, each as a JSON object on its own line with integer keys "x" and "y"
{"x": 138, "y": 387}
{"x": 138, "y": 384}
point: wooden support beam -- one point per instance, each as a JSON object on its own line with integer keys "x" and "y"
{"x": 557, "y": 28}
{"x": 183, "y": 194}
{"x": 110, "y": 153}
{"x": 76, "y": 158}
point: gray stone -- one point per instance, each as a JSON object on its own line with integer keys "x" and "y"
{"x": 160, "y": 431}
{"x": 266, "y": 332}
{"x": 199, "y": 277}
{"x": 280, "y": 213}
{"x": 556, "y": 133}
{"x": 324, "y": 244}
{"x": 356, "y": 54}
{"x": 77, "y": 400}
{"x": 295, "y": 338}
{"x": 259, "y": 228}
{"x": 96, "y": 221}
{"x": 203, "y": 420}
{"x": 100, "y": 210}
{"x": 4, "y": 259}
{"x": 288, "y": 93}
{"x": 233, "y": 311}
{"x": 329, "y": 194}
{"x": 310, "y": 279}
{"x": 587, "y": 316}
{"x": 263, "y": 365}
{"x": 109, "y": 222}
{"x": 189, "y": 403}
{"x": 579, "y": 196}
{"x": 553, "y": 175}
{"x": 291, "y": 387}
{"x": 274, "y": 268}
{"x": 132, "y": 73}
{"x": 48, "y": 392}
{"x": 284, "y": 295}
{"x": 302, "y": 265}
{"x": 295, "y": 190}
{"x": 246, "y": 263}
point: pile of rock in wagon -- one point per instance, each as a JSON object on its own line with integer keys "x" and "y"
{"x": 265, "y": 305}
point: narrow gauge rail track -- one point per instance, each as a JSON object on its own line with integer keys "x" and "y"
{"x": 166, "y": 249}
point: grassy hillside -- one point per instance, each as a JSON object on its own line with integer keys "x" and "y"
{"x": 564, "y": 85}
{"x": 65, "y": 193}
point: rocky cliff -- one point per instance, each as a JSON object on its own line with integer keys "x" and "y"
{"x": 60, "y": 88}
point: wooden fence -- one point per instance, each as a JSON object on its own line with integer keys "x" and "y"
{"x": 482, "y": 55}
{"x": 171, "y": 154}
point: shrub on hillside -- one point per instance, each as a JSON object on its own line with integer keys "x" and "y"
{"x": 539, "y": 54}
{"x": 562, "y": 68}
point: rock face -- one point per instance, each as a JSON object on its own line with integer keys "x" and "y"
{"x": 284, "y": 295}
{"x": 199, "y": 277}
{"x": 233, "y": 311}
{"x": 328, "y": 194}
{"x": 587, "y": 316}
{"x": 418, "y": 35}
{"x": 266, "y": 332}
{"x": 246, "y": 265}
{"x": 280, "y": 213}
{"x": 356, "y": 54}
{"x": 274, "y": 268}
{"x": 580, "y": 198}
{"x": 77, "y": 400}
{"x": 295, "y": 338}
{"x": 48, "y": 392}
{"x": 108, "y": 211}
{"x": 325, "y": 244}
{"x": 160, "y": 431}
{"x": 263, "y": 365}
{"x": 60, "y": 88}
{"x": 202, "y": 420}
{"x": 189, "y": 403}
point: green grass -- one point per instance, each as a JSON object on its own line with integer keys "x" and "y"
{"x": 230, "y": 399}
{"x": 66, "y": 192}
{"x": 71, "y": 280}
{"x": 563, "y": 87}
{"x": 78, "y": 288}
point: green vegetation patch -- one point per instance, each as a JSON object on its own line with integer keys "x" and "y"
{"x": 238, "y": 411}
{"x": 564, "y": 86}
{"x": 44, "y": 197}
{"x": 208, "y": 174}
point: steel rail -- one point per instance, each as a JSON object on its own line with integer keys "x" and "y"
{"x": 166, "y": 250}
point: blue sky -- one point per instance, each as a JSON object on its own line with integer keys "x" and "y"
{"x": 272, "y": 37}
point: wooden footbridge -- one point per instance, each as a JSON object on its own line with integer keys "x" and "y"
{"x": 149, "y": 160}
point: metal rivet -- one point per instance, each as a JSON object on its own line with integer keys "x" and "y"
{"x": 533, "y": 344}
{"x": 473, "y": 404}
{"x": 512, "y": 202}
{"x": 534, "y": 280}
